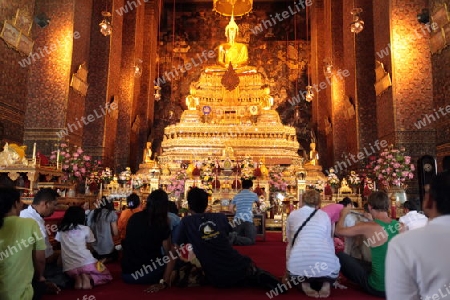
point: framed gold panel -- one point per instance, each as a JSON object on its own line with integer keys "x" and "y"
{"x": 441, "y": 17}
{"x": 25, "y": 45}
{"x": 23, "y": 22}
{"x": 10, "y": 34}
{"x": 437, "y": 41}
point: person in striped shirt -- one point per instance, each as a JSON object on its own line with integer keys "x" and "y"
{"x": 244, "y": 232}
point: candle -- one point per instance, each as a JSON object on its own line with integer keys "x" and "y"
{"x": 34, "y": 152}
{"x": 101, "y": 188}
{"x": 57, "y": 159}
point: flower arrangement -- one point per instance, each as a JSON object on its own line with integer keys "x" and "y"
{"x": 247, "y": 169}
{"x": 77, "y": 165}
{"x": 276, "y": 181}
{"x": 106, "y": 175}
{"x": 176, "y": 186}
{"x": 354, "y": 179}
{"x": 392, "y": 167}
{"x": 206, "y": 170}
{"x": 332, "y": 179}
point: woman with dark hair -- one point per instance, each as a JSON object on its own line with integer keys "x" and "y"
{"x": 147, "y": 232}
{"x": 133, "y": 206}
{"x": 103, "y": 222}
{"x": 77, "y": 260}
{"x": 18, "y": 258}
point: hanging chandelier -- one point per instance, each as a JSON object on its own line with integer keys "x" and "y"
{"x": 309, "y": 94}
{"x": 358, "y": 24}
{"x": 105, "y": 25}
{"x": 233, "y": 7}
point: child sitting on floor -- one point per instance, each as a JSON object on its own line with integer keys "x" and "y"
{"x": 77, "y": 260}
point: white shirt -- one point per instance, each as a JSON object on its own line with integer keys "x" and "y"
{"x": 418, "y": 263}
{"x": 31, "y": 213}
{"x": 414, "y": 220}
{"x": 313, "y": 254}
{"x": 74, "y": 252}
{"x": 353, "y": 245}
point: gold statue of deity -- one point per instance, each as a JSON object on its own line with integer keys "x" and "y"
{"x": 148, "y": 153}
{"x": 191, "y": 100}
{"x": 232, "y": 51}
{"x": 267, "y": 100}
{"x": 313, "y": 155}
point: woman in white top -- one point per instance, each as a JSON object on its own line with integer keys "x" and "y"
{"x": 310, "y": 255}
{"x": 77, "y": 260}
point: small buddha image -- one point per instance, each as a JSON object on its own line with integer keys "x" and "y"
{"x": 345, "y": 189}
{"x": 313, "y": 155}
{"x": 192, "y": 102}
{"x": 148, "y": 153}
{"x": 267, "y": 100}
{"x": 232, "y": 51}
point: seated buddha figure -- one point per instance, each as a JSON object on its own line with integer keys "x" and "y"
{"x": 232, "y": 51}
{"x": 267, "y": 99}
{"x": 192, "y": 100}
{"x": 313, "y": 155}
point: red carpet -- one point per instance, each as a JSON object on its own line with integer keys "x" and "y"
{"x": 269, "y": 255}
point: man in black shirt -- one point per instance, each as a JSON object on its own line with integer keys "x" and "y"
{"x": 208, "y": 234}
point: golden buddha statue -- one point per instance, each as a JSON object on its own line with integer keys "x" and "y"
{"x": 345, "y": 189}
{"x": 267, "y": 99}
{"x": 232, "y": 51}
{"x": 148, "y": 153}
{"x": 313, "y": 155}
{"x": 191, "y": 100}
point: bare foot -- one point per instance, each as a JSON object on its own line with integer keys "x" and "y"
{"x": 325, "y": 290}
{"x": 78, "y": 282}
{"x": 309, "y": 291}
{"x": 86, "y": 281}
{"x": 51, "y": 288}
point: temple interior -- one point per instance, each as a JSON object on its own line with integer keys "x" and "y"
{"x": 220, "y": 90}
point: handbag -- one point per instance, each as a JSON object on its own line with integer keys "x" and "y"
{"x": 303, "y": 225}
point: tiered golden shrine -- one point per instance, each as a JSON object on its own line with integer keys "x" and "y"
{"x": 230, "y": 118}
{"x": 229, "y": 115}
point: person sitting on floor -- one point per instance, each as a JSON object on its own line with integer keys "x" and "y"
{"x": 417, "y": 262}
{"x": 355, "y": 246}
{"x": 222, "y": 265}
{"x": 43, "y": 205}
{"x": 133, "y": 206}
{"x": 310, "y": 253}
{"x": 244, "y": 232}
{"x": 173, "y": 216}
{"x": 77, "y": 260}
{"x": 147, "y": 232}
{"x": 18, "y": 278}
{"x": 412, "y": 218}
{"x": 333, "y": 211}
{"x": 103, "y": 223}
{"x": 378, "y": 234}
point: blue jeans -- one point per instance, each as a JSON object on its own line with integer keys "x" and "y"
{"x": 244, "y": 234}
{"x": 358, "y": 272}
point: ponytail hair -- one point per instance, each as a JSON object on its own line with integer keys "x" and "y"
{"x": 8, "y": 197}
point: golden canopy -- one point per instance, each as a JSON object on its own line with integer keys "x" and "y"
{"x": 233, "y": 7}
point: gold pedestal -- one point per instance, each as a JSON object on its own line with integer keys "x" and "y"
{"x": 268, "y": 117}
{"x": 190, "y": 116}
